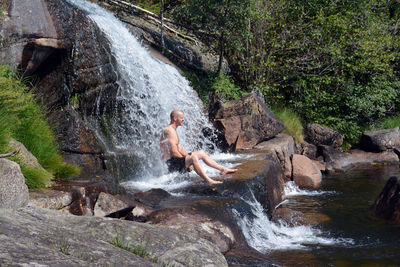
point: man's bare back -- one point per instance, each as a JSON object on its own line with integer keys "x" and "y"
{"x": 178, "y": 159}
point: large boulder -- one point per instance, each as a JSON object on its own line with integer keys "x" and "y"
{"x": 381, "y": 140}
{"x": 387, "y": 205}
{"x": 283, "y": 147}
{"x": 305, "y": 173}
{"x": 13, "y": 190}
{"x": 320, "y": 135}
{"x": 34, "y": 236}
{"x": 343, "y": 161}
{"x": 245, "y": 122}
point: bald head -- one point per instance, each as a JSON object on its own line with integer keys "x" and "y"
{"x": 175, "y": 114}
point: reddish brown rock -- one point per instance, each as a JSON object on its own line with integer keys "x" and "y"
{"x": 245, "y": 122}
{"x": 289, "y": 216}
{"x": 305, "y": 173}
{"x": 387, "y": 205}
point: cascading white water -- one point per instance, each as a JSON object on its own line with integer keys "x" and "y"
{"x": 148, "y": 91}
{"x": 264, "y": 235}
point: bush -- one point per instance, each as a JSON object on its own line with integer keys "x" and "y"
{"x": 293, "y": 123}
{"x": 23, "y": 119}
{"x": 223, "y": 87}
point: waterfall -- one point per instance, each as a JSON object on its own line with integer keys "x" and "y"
{"x": 148, "y": 90}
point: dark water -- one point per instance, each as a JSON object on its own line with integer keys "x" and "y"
{"x": 374, "y": 241}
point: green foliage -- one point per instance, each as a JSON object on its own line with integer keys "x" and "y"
{"x": 35, "y": 178}
{"x": 23, "y": 119}
{"x": 225, "y": 89}
{"x": 293, "y": 123}
{"x": 335, "y": 63}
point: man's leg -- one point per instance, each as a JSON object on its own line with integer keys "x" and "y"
{"x": 194, "y": 160}
{"x": 210, "y": 162}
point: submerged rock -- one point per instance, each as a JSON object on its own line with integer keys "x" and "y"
{"x": 381, "y": 140}
{"x": 36, "y": 236}
{"x": 387, "y": 204}
{"x": 245, "y": 122}
{"x": 13, "y": 190}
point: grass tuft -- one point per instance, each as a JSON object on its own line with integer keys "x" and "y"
{"x": 293, "y": 123}
{"x": 24, "y": 120}
{"x": 387, "y": 123}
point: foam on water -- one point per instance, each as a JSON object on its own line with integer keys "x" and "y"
{"x": 291, "y": 189}
{"x": 264, "y": 235}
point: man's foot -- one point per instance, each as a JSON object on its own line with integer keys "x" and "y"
{"x": 226, "y": 171}
{"x": 211, "y": 181}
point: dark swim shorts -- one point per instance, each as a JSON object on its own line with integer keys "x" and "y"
{"x": 176, "y": 165}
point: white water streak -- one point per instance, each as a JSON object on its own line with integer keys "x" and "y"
{"x": 264, "y": 235}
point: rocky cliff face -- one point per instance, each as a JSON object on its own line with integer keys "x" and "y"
{"x": 68, "y": 60}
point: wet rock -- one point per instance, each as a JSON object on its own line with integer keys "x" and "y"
{"x": 107, "y": 204}
{"x": 387, "y": 204}
{"x": 33, "y": 236}
{"x": 152, "y": 197}
{"x": 282, "y": 146}
{"x": 196, "y": 224}
{"x": 319, "y": 135}
{"x": 245, "y": 122}
{"x": 288, "y": 216}
{"x": 50, "y": 199}
{"x": 13, "y": 190}
{"x": 305, "y": 173}
{"x": 343, "y": 161}
{"x": 247, "y": 256}
{"x": 381, "y": 140}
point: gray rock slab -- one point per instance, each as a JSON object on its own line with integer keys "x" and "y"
{"x": 381, "y": 140}
{"x": 13, "y": 190}
{"x": 33, "y": 235}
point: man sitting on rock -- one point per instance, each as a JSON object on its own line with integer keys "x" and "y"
{"x": 177, "y": 159}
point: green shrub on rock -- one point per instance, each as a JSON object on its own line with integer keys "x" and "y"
{"x": 24, "y": 120}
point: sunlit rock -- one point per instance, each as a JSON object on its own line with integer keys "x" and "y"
{"x": 245, "y": 122}
{"x": 305, "y": 173}
{"x": 381, "y": 140}
{"x": 13, "y": 190}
